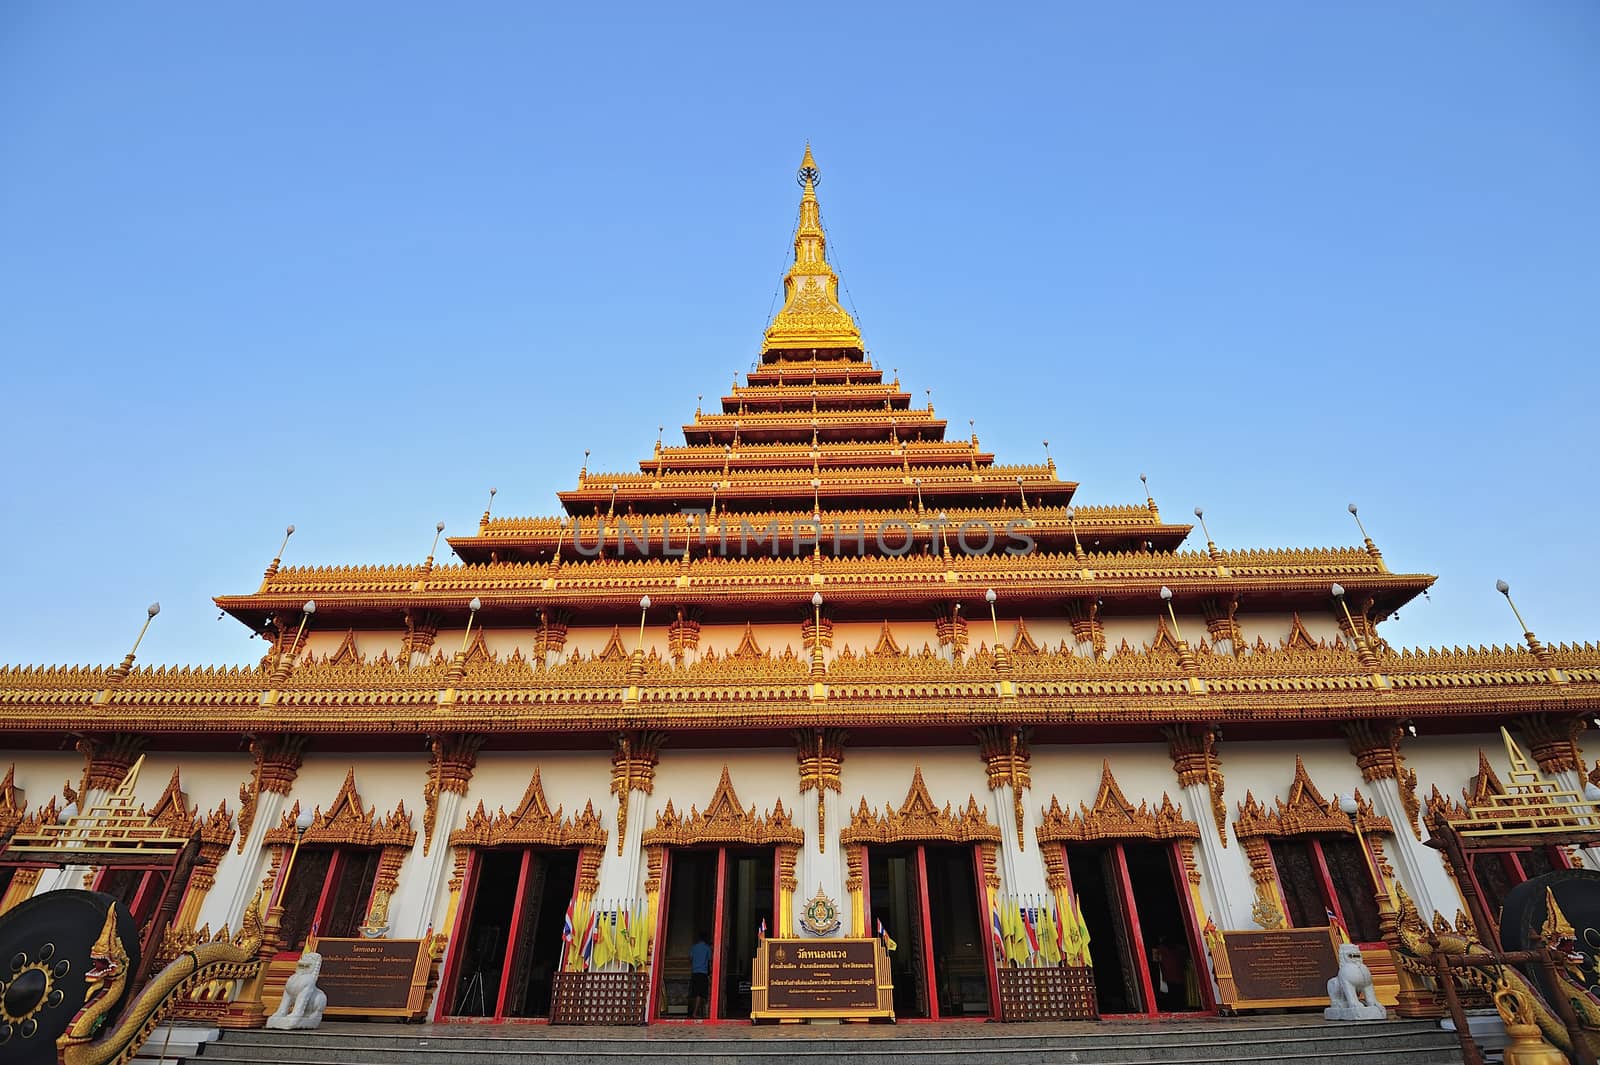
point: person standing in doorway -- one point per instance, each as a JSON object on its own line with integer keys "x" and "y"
{"x": 700, "y": 975}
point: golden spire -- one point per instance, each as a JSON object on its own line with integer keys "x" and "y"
{"x": 811, "y": 316}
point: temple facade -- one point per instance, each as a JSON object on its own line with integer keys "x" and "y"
{"x": 821, "y": 669}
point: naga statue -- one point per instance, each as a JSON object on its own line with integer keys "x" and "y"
{"x": 65, "y": 1000}
{"x": 1418, "y": 943}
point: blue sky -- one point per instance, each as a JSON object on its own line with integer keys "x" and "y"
{"x": 349, "y": 265}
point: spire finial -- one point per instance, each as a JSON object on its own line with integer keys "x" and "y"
{"x": 808, "y": 174}
{"x": 811, "y": 317}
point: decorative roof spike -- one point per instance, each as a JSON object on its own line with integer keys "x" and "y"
{"x": 811, "y": 316}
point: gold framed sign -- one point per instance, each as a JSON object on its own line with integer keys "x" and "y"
{"x": 1278, "y": 969}
{"x": 373, "y": 977}
{"x": 821, "y": 979}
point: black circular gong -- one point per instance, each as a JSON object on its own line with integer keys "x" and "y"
{"x": 44, "y": 954}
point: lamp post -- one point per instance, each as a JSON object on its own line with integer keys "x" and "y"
{"x": 994, "y": 619}
{"x": 644, "y": 608}
{"x": 472, "y": 612}
{"x": 306, "y": 612}
{"x": 301, "y": 824}
{"x": 1385, "y": 899}
{"x": 1166, "y": 597}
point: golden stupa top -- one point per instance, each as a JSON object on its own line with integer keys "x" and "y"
{"x": 811, "y": 316}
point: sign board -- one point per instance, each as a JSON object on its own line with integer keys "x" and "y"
{"x": 805, "y": 979}
{"x": 1276, "y": 969}
{"x": 373, "y": 977}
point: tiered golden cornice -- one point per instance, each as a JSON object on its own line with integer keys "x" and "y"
{"x": 1055, "y": 687}
{"x": 917, "y": 577}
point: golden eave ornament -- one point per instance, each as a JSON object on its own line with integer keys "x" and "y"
{"x": 811, "y": 316}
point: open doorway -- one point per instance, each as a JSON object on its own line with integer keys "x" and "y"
{"x": 516, "y": 901}
{"x": 1141, "y": 926}
{"x": 1093, "y": 871}
{"x": 926, "y": 897}
{"x": 721, "y": 897}
{"x": 1169, "y": 947}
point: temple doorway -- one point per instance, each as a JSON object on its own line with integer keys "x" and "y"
{"x": 327, "y": 893}
{"x": 514, "y": 904}
{"x": 1141, "y": 929}
{"x": 725, "y": 896}
{"x": 926, "y": 897}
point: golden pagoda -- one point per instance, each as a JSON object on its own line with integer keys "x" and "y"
{"x": 820, "y": 670}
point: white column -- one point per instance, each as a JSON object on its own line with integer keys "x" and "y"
{"x": 1019, "y": 873}
{"x": 826, "y": 869}
{"x": 620, "y": 874}
{"x": 1421, "y": 873}
{"x": 1218, "y": 865}
{"x": 219, "y": 906}
{"x": 1573, "y": 780}
{"x": 420, "y": 894}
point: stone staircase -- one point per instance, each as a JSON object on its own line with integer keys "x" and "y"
{"x": 1279, "y": 1040}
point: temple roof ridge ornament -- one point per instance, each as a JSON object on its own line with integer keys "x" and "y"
{"x": 811, "y": 316}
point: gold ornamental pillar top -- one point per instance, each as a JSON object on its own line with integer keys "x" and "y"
{"x": 811, "y": 316}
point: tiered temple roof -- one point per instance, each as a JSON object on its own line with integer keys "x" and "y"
{"x": 818, "y": 456}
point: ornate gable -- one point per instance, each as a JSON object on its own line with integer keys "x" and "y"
{"x": 1299, "y": 639}
{"x": 531, "y": 823}
{"x": 173, "y": 813}
{"x": 346, "y": 823}
{"x": 478, "y": 648}
{"x": 613, "y": 650}
{"x": 11, "y": 806}
{"x": 1023, "y": 644}
{"x": 919, "y": 819}
{"x": 347, "y": 654}
{"x": 1306, "y": 813}
{"x": 748, "y": 648}
{"x": 724, "y": 821}
{"x": 1113, "y": 817}
{"x": 1165, "y": 641}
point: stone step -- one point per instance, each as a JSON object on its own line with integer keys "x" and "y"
{"x": 1257, "y": 1041}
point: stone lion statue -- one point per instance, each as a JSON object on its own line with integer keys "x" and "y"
{"x": 303, "y": 1002}
{"x": 1351, "y": 992}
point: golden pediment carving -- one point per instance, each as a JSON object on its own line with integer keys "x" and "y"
{"x": 532, "y": 823}
{"x": 346, "y": 823}
{"x": 724, "y": 821}
{"x": 172, "y": 812}
{"x": 1306, "y": 813}
{"x": 11, "y": 804}
{"x": 919, "y": 819}
{"x": 1113, "y": 817}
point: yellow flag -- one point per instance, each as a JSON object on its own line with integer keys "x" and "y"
{"x": 1048, "y": 947}
{"x": 1083, "y": 930}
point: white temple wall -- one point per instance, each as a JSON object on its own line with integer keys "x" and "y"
{"x": 40, "y": 774}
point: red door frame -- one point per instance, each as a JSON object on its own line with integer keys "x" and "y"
{"x": 1119, "y": 864}
{"x": 714, "y": 1007}
{"x": 1191, "y": 927}
{"x": 719, "y": 952}
{"x": 929, "y": 976}
{"x": 986, "y": 920}
{"x": 511, "y": 937}
{"x": 452, "y": 972}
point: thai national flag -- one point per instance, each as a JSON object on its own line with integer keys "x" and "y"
{"x": 1030, "y": 920}
{"x": 761, "y": 932}
{"x": 994, "y": 920}
{"x": 589, "y": 932}
{"x": 567, "y": 929}
{"x": 1333, "y": 919}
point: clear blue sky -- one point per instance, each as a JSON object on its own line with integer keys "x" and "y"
{"x": 348, "y": 265}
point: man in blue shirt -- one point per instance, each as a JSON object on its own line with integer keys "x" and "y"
{"x": 699, "y": 975}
